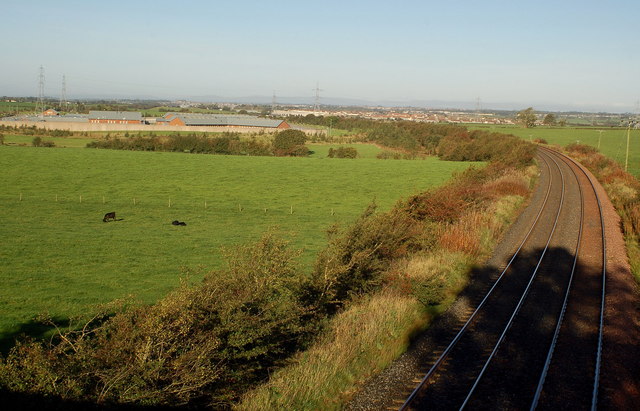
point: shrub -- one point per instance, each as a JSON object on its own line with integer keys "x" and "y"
{"x": 431, "y": 276}
{"x": 355, "y": 260}
{"x": 290, "y": 143}
{"x": 388, "y": 155}
{"x": 343, "y": 152}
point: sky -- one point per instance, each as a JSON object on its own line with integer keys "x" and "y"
{"x": 552, "y": 55}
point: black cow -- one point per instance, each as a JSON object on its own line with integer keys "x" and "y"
{"x": 109, "y": 216}
{"x": 176, "y": 222}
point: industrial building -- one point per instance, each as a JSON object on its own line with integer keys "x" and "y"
{"x": 115, "y": 117}
{"x": 194, "y": 119}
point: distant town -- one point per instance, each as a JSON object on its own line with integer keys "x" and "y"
{"x": 190, "y": 113}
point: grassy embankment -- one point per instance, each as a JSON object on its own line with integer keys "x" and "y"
{"x": 57, "y": 255}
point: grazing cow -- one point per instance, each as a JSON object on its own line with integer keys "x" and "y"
{"x": 176, "y": 222}
{"x": 109, "y": 216}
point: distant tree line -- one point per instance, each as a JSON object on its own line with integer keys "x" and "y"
{"x": 34, "y": 131}
{"x": 410, "y": 139}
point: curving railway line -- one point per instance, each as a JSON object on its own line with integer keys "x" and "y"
{"x": 535, "y": 338}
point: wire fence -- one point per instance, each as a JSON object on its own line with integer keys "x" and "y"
{"x": 156, "y": 203}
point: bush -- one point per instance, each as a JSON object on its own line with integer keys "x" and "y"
{"x": 343, "y": 152}
{"x": 290, "y": 143}
{"x": 355, "y": 260}
{"x": 39, "y": 142}
{"x": 431, "y": 277}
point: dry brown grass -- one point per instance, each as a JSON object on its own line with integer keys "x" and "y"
{"x": 362, "y": 340}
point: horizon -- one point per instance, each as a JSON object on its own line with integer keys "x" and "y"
{"x": 334, "y": 103}
{"x": 573, "y": 56}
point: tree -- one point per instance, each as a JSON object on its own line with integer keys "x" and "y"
{"x": 527, "y": 118}
{"x": 549, "y": 119}
{"x": 290, "y": 143}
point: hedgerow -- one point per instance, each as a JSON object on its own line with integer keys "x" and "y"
{"x": 227, "y": 143}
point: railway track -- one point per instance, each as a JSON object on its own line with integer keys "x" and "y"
{"x": 535, "y": 338}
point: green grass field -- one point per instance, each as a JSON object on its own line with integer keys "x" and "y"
{"x": 68, "y": 142}
{"x": 613, "y": 141}
{"x": 364, "y": 150}
{"x": 8, "y": 107}
{"x": 57, "y": 256}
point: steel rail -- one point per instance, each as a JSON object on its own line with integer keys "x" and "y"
{"x": 596, "y": 379}
{"x": 522, "y": 298}
{"x": 463, "y": 329}
{"x": 556, "y": 333}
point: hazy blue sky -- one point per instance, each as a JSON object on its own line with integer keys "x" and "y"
{"x": 584, "y": 54}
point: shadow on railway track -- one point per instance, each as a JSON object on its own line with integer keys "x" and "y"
{"x": 511, "y": 378}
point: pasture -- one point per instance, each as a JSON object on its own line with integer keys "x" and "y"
{"x": 58, "y": 256}
{"x": 613, "y": 141}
